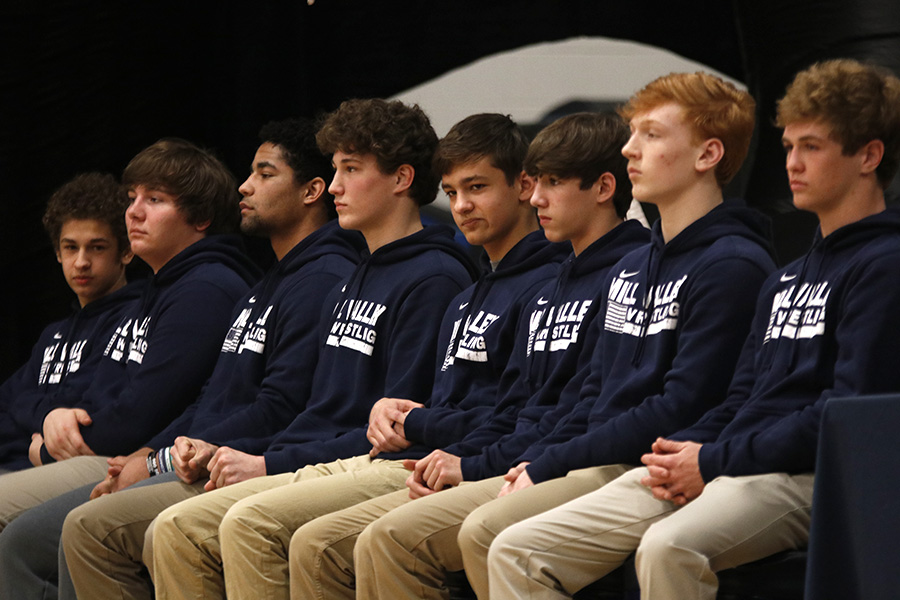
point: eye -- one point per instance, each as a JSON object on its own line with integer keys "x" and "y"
{"x": 553, "y": 181}
{"x": 477, "y": 187}
{"x": 450, "y": 193}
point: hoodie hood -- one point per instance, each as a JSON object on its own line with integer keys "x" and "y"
{"x": 225, "y": 249}
{"x": 432, "y": 237}
{"x": 329, "y": 239}
{"x": 723, "y": 220}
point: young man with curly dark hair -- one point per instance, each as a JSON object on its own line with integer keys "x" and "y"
{"x": 85, "y": 220}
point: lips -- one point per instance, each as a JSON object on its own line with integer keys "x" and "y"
{"x": 797, "y": 185}
{"x": 469, "y": 223}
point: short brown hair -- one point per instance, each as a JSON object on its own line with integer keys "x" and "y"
{"x": 584, "y": 145}
{"x": 714, "y": 107}
{"x": 95, "y": 196}
{"x": 860, "y": 102}
{"x": 394, "y": 133}
{"x": 486, "y": 135}
{"x": 204, "y": 188}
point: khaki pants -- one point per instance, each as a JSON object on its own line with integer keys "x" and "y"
{"x": 28, "y": 488}
{"x": 248, "y": 528}
{"x": 405, "y": 548}
{"x": 103, "y": 539}
{"x": 735, "y": 520}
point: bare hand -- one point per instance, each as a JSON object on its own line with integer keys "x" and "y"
{"x": 62, "y": 433}
{"x": 517, "y": 479}
{"x": 123, "y": 471}
{"x": 674, "y": 471}
{"x": 386, "y": 420}
{"x": 437, "y": 471}
{"x": 34, "y": 450}
{"x": 229, "y": 466}
{"x": 190, "y": 458}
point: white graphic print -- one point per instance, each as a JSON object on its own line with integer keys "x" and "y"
{"x": 472, "y": 346}
{"x": 354, "y": 325}
{"x": 69, "y": 361}
{"x": 798, "y": 312}
{"x": 625, "y": 315}
{"x": 115, "y": 349}
{"x": 560, "y": 326}
{"x": 138, "y": 346}
{"x": 255, "y": 337}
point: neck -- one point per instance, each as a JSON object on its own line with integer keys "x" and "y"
{"x": 862, "y": 202}
{"x": 405, "y": 221}
{"x": 599, "y": 226}
{"x": 497, "y": 249}
{"x": 284, "y": 241}
{"x": 677, "y": 213}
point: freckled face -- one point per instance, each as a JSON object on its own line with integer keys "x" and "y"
{"x": 661, "y": 153}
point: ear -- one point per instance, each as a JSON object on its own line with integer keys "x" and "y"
{"x": 711, "y": 153}
{"x": 58, "y": 255}
{"x": 526, "y": 187}
{"x": 404, "y": 176}
{"x": 201, "y": 227}
{"x": 126, "y": 257}
{"x": 871, "y": 154}
{"x": 314, "y": 189}
{"x": 606, "y": 187}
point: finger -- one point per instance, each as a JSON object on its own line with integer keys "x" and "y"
{"x": 409, "y": 464}
{"x": 82, "y": 416}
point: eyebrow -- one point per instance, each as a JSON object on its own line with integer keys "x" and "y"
{"x": 805, "y": 138}
{"x": 92, "y": 241}
{"x": 264, "y": 164}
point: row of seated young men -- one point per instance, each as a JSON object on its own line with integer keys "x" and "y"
{"x": 375, "y": 420}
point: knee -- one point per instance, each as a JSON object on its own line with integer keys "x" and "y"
{"x": 305, "y": 548}
{"x": 661, "y": 543}
{"x": 475, "y": 536}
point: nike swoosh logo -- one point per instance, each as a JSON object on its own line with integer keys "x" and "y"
{"x": 541, "y": 301}
{"x": 57, "y": 336}
{"x": 625, "y": 274}
{"x": 786, "y": 277}
{"x": 463, "y": 305}
{"x": 252, "y": 300}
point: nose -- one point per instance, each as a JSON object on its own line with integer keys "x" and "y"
{"x": 246, "y": 188}
{"x": 537, "y": 195}
{"x": 334, "y": 188}
{"x": 792, "y": 161}
{"x": 629, "y": 150}
{"x": 82, "y": 260}
{"x": 461, "y": 204}
{"x": 135, "y": 210}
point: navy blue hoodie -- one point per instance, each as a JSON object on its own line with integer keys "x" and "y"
{"x": 167, "y": 346}
{"x": 550, "y": 346}
{"x": 264, "y": 373}
{"x": 62, "y": 365}
{"x": 676, "y": 317}
{"x": 826, "y": 326}
{"x": 378, "y": 338}
{"x": 472, "y": 358}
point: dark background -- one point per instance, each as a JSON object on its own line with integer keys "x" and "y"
{"x": 85, "y": 85}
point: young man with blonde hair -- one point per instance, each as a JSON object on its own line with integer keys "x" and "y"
{"x": 737, "y": 485}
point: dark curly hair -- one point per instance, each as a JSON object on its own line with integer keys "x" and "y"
{"x": 486, "y": 135}
{"x": 204, "y": 188}
{"x": 95, "y": 196}
{"x": 297, "y": 140}
{"x": 394, "y": 133}
{"x": 584, "y": 145}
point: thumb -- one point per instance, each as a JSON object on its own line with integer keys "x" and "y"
{"x": 409, "y": 464}
{"x": 82, "y": 416}
{"x": 664, "y": 445}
